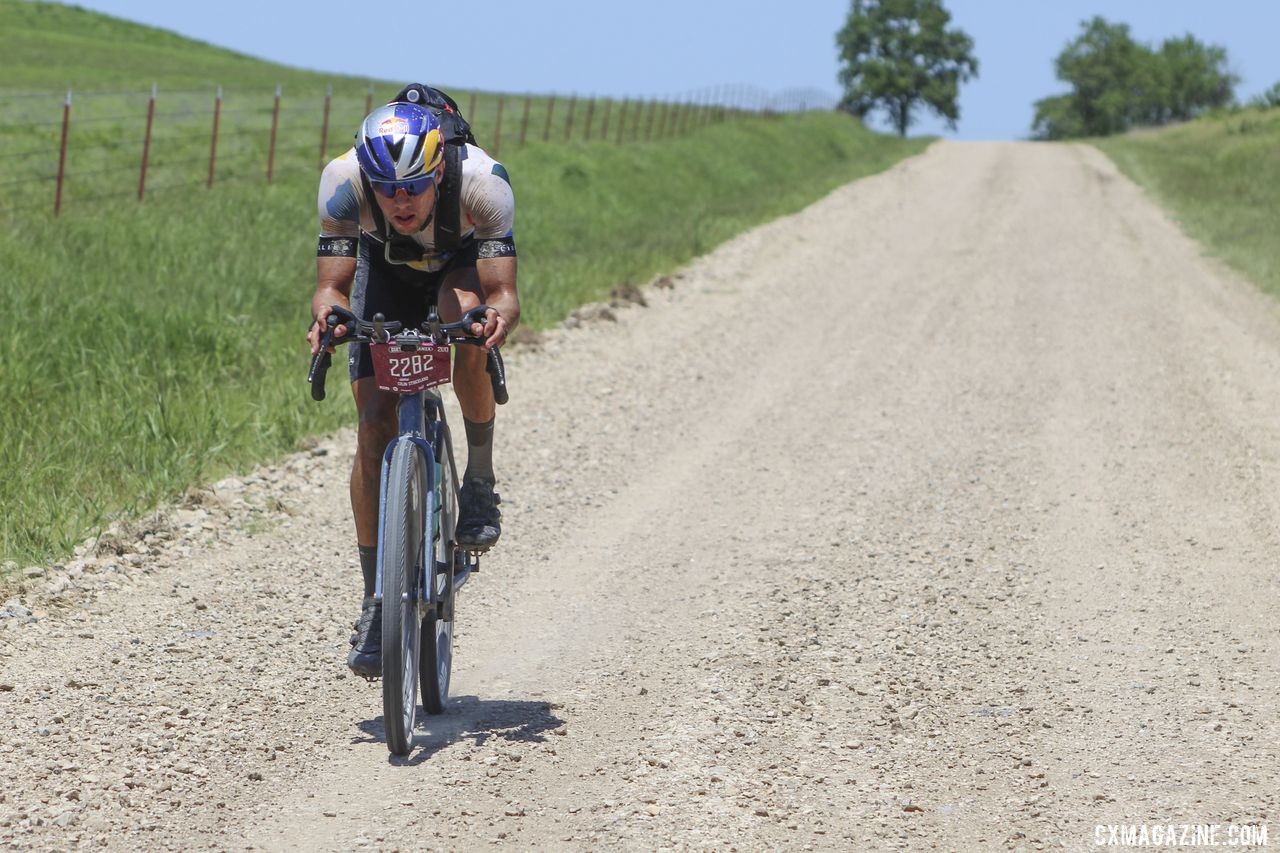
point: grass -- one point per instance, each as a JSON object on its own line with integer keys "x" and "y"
{"x": 1220, "y": 176}
{"x": 157, "y": 344}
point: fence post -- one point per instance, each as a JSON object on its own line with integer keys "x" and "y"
{"x": 604, "y": 123}
{"x": 653, "y": 112}
{"x": 213, "y": 139}
{"x": 622, "y": 120}
{"x": 524, "y": 120}
{"x": 591, "y": 112}
{"x": 568, "y": 125}
{"x": 497, "y": 131}
{"x": 62, "y": 154}
{"x": 551, "y": 108}
{"x": 146, "y": 142}
{"x": 275, "y": 126}
{"x": 324, "y": 125}
{"x": 662, "y": 122}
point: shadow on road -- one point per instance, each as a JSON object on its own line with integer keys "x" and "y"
{"x": 470, "y": 718}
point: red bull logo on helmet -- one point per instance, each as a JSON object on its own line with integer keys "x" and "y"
{"x": 393, "y": 126}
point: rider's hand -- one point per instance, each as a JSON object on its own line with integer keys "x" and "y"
{"x": 320, "y": 326}
{"x": 494, "y": 329}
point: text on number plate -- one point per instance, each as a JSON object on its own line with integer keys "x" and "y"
{"x": 409, "y": 372}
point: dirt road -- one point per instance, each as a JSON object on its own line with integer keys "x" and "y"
{"x": 941, "y": 514}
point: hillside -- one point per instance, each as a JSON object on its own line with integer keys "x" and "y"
{"x": 179, "y": 354}
{"x": 1220, "y": 176}
{"x": 51, "y": 46}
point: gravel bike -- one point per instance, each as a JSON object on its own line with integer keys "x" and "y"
{"x": 420, "y": 565}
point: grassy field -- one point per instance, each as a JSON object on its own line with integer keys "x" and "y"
{"x": 1221, "y": 178}
{"x": 157, "y": 344}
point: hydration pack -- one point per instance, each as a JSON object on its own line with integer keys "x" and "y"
{"x": 456, "y": 132}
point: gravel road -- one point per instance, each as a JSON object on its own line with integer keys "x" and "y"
{"x": 942, "y": 514}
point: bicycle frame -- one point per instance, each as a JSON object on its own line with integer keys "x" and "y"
{"x": 423, "y": 424}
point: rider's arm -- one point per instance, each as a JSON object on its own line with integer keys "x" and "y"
{"x": 339, "y": 202}
{"x": 498, "y": 287}
{"x": 491, "y": 205}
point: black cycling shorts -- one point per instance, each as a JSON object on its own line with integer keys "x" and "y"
{"x": 395, "y": 291}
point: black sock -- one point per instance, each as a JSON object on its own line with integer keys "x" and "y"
{"x": 479, "y": 450}
{"x": 369, "y": 567}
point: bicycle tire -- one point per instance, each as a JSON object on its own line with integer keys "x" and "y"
{"x": 401, "y": 625}
{"x": 435, "y": 661}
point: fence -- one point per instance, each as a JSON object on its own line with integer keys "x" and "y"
{"x": 60, "y": 150}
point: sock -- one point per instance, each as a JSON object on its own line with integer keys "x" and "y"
{"x": 479, "y": 450}
{"x": 369, "y": 567}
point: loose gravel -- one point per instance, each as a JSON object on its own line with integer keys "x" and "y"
{"x": 940, "y": 514}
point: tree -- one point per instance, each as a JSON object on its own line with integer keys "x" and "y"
{"x": 1195, "y": 78}
{"x": 1118, "y": 83}
{"x": 898, "y": 55}
{"x": 1269, "y": 99}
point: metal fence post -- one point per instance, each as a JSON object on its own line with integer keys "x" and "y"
{"x": 591, "y": 113}
{"x": 604, "y": 122}
{"x": 622, "y": 120}
{"x": 275, "y": 126}
{"x": 62, "y": 154}
{"x": 653, "y": 112}
{"x": 524, "y": 120}
{"x": 213, "y": 138}
{"x": 568, "y": 125}
{"x": 324, "y": 126}
{"x": 497, "y": 128}
{"x": 551, "y": 108}
{"x": 146, "y": 143}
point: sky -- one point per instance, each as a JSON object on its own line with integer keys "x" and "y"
{"x": 677, "y": 47}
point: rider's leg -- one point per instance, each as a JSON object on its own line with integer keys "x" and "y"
{"x": 479, "y": 521}
{"x": 377, "y": 427}
{"x": 459, "y": 294}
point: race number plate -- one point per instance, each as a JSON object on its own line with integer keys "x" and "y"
{"x": 409, "y": 372}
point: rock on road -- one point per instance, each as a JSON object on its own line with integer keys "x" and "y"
{"x": 942, "y": 513}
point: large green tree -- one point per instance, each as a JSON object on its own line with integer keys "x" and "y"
{"x": 899, "y": 56}
{"x": 1118, "y": 82}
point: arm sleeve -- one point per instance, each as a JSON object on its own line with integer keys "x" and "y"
{"x": 340, "y": 199}
{"x": 492, "y": 207}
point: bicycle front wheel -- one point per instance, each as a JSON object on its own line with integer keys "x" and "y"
{"x": 402, "y": 554}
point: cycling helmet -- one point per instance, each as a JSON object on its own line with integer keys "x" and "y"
{"x": 400, "y": 142}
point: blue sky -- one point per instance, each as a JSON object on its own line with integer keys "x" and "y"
{"x": 673, "y": 47}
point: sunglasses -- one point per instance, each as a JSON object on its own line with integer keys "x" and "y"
{"x": 417, "y": 186}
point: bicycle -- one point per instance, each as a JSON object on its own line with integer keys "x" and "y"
{"x": 418, "y": 505}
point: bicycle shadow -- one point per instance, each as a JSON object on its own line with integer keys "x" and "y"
{"x": 469, "y": 718}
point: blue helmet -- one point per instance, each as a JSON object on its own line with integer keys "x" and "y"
{"x": 399, "y": 142}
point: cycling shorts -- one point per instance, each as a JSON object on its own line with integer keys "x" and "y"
{"x": 396, "y": 291}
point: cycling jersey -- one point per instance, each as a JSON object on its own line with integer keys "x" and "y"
{"x": 486, "y": 214}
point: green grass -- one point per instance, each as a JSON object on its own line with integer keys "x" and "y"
{"x": 157, "y": 344}
{"x": 1220, "y": 177}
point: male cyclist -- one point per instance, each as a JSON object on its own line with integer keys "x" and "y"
{"x": 381, "y": 230}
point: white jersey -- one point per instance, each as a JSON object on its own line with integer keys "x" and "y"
{"x": 486, "y": 211}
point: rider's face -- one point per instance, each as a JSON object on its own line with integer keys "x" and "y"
{"x": 407, "y": 214}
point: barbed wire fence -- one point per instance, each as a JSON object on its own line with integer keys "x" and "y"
{"x": 70, "y": 148}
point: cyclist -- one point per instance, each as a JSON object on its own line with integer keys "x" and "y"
{"x": 380, "y": 252}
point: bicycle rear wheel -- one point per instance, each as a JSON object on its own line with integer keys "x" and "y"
{"x": 436, "y": 660}
{"x": 401, "y": 626}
